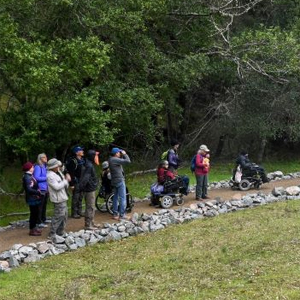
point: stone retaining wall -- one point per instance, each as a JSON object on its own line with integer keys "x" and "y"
{"x": 142, "y": 223}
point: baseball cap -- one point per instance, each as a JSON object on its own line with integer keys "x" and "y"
{"x": 115, "y": 150}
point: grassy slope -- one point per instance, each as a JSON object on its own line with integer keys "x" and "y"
{"x": 250, "y": 254}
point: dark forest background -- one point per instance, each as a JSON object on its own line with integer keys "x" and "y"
{"x": 138, "y": 73}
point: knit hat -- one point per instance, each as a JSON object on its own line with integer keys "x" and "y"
{"x": 53, "y": 163}
{"x": 105, "y": 165}
{"x": 27, "y": 166}
{"x": 204, "y": 148}
{"x": 115, "y": 150}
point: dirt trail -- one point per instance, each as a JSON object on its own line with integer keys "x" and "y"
{"x": 20, "y": 235}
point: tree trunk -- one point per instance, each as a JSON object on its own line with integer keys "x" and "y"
{"x": 261, "y": 151}
{"x": 220, "y": 145}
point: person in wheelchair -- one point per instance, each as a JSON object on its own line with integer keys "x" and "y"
{"x": 167, "y": 182}
{"x": 248, "y": 168}
{"x": 106, "y": 179}
{"x": 170, "y": 181}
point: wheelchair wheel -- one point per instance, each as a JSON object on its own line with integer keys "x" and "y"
{"x": 244, "y": 185}
{"x": 166, "y": 201}
{"x": 129, "y": 203}
{"x": 109, "y": 203}
{"x": 179, "y": 201}
{"x": 100, "y": 203}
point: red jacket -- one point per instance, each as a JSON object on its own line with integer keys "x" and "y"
{"x": 164, "y": 174}
{"x": 200, "y": 168}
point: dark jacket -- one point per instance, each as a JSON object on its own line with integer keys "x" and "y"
{"x": 32, "y": 194}
{"x": 74, "y": 167}
{"x": 243, "y": 161}
{"x": 89, "y": 180}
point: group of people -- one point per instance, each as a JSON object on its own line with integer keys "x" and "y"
{"x": 167, "y": 170}
{"x": 50, "y": 179}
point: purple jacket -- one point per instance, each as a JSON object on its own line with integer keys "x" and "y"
{"x": 40, "y": 174}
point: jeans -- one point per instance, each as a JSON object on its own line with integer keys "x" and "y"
{"x": 119, "y": 197}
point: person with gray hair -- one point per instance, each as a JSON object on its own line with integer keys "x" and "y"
{"x": 40, "y": 174}
{"x": 58, "y": 184}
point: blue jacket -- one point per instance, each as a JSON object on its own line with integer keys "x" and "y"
{"x": 40, "y": 174}
{"x": 173, "y": 159}
{"x": 32, "y": 194}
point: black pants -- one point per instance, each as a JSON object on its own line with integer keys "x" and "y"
{"x": 43, "y": 207}
{"x": 34, "y": 216}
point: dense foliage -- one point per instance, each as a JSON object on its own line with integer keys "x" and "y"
{"x": 139, "y": 72}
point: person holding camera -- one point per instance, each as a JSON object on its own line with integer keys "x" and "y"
{"x": 118, "y": 158}
{"x": 74, "y": 166}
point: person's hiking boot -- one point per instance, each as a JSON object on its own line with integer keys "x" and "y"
{"x": 205, "y": 197}
{"x": 35, "y": 232}
{"x": 76, "y": 216}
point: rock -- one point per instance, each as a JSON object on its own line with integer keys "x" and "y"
{"x": 278, "y": 174}
{"x": 80, "y": 242}
{"x": 4, "y": 264}
{"x": 25, "y": 250}
{"x": 33, "y": 256}
{"x": 193, "y": 206}
{"x": 292, "y": 190}
{"x": 16, "y": 246}
{"x": 13, "y": 262}
{"x": 278, "y": 191}
{"x": 43, "y": 248}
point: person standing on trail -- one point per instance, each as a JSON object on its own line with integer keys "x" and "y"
{"x": 172, "y": 156}
{"x": 116, "y": 161}
{"x": 74, "y": 167}
{"x": 40, "y": 174}
{"x": 201, "y": 172}
{"x": 32, "y": 197}
{"x": 58, "y": 185}
{"x": 88, "y": 185}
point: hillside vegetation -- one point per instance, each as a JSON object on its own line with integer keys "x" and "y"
{"x": 250, "y": 254}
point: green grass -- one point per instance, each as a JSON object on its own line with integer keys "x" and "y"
{"x": 250, "y": 254}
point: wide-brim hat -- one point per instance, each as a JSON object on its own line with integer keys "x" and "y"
{"x": 53, "y": 163}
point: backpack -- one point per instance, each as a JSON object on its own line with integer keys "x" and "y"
{"x": 69, "y": 161}
{"x": 165, "y": 155}
{"x": 193, "y": 164}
